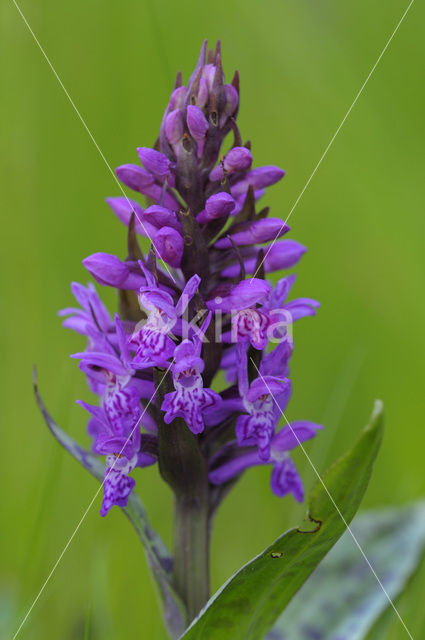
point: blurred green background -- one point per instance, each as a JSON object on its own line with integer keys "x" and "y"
{"x": 301, "y": 65}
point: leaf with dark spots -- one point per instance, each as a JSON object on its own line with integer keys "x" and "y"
{"x": 344, "y": 597}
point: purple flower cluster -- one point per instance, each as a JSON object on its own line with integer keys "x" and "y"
{"x": 198, "y": 305}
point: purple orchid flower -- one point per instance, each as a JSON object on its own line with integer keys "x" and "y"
{"x": 190, "y": 398}
{"x": 121, "y": 442}
{"x": 264, "y": 399}
{"x": 232, "y": 460}
{"x": 261, "y": 313}
{"x": 151, "y": 341}
{"x": 111, "y": 376}
{"x": 115, "y": 425}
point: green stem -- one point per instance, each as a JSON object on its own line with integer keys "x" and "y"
{"x": 183, "y": 467}
{"x": 191, "y": 551}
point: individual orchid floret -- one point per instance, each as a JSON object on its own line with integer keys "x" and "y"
{"x": 271, "y": 318}
{"x": 120, "y": 396}
{"x": 117, "y": 484}
{"x": 232, "y": 460}
{"x": 109, "y": 371}
{"x": 151, "y": 341}
{"x": 109, "y": 435}
{"x": 242, "y": 300}
{"x": 123, "y": 451}
{"x": 190, "y": 399}
{"x": 265, "y": 400}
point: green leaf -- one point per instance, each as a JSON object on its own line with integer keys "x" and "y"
{"x": 248, "y": 604}
{"x": 344, "y": 597}
{"x": 158, "y": 556}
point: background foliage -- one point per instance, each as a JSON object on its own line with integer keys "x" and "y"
{"x": 301, "y": 64}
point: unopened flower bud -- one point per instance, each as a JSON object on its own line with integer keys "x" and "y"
{"x": 161, "y": 217}
{"x": 177, "y": 98}
{"x": 174, "y": 127}
{"x": 169, "y": 246}
{"x": 231, "y": 104}
{"x": 198, "y": 126}
{"x": 134, "y": 177}
{"x": 220, "y": 204}
{"x": 108, "y": 270}
{"x": 237, "y": 159}
{"x": 255, "y": 232}
{"x": 155, "y": 162}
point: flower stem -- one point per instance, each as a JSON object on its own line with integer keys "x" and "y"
{"x": 184, "y": 468}
{"x": 191, "y": 551}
